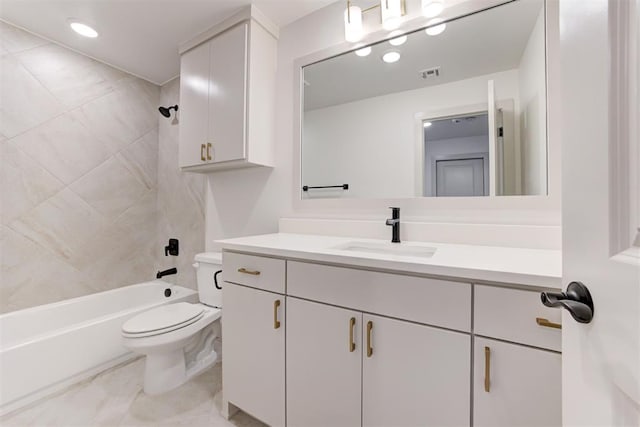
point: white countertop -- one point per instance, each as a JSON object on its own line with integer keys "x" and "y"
{"x": 521, "y": 266}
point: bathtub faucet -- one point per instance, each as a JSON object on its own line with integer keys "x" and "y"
{"x": 168, "y": 272}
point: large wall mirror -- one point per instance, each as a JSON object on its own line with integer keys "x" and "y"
{"x": 458, "y": 110}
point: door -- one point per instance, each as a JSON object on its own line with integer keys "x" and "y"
{"x": 516, "y": 386}
{"x": 324, "y": 354}
{"x": 460, "y": 178}
{"x": 414, "y": 375}
{"x": 227, "y": 89}
{"x": 492, "y": 111}
{"x": 600, "y": 213}
{"x": 194, "y": 106}
{"x": 253, "y": 372}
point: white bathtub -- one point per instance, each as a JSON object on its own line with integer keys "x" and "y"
{"x": 46, "y": 348}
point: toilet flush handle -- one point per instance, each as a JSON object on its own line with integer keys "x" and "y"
{"x": 195, "y": 265}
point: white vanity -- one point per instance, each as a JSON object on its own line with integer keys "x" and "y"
{"x": 323, "y": 331}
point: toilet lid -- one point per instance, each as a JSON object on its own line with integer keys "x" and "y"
{"x": 164, "y": 317}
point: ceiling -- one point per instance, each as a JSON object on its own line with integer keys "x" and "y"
{"x": 458, "y": 127}
{"x": 140, "y": 36}
{"x": 482, "y": 43}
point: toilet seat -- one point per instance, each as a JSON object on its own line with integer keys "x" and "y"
{"x": 162, "y": 319}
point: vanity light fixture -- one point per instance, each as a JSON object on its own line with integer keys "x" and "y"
{"x": 82, "y": 29}
{"x": 433, "y": 29}
{"x": 399, "y": 40}
{"x": 432, "y": 8}
{"x": 365, "y": 51}
{"x": 352, "y": 23}
{"x": 391, "y": 56}
{"x": 391, "y": 12}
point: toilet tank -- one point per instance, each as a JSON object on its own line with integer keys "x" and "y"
{"x": 206, "y": 265}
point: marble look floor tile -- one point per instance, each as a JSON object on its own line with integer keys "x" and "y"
{"x": 25, "y": 102}
{"x": 110, "y": 188}
{"x": 24, "y": 183}
{"x": 13, "y": 39}
{"x": 72, "y": 78}
{"x": 63, "y": 224}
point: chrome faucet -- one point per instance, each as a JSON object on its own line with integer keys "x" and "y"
{"x": 394, "y": 222}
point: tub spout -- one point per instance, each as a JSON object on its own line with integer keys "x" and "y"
{"x": 168, "y": 272}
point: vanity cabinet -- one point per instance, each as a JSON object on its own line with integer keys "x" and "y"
{"x": 227, "y": 94}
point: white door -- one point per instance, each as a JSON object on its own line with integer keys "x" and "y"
{"x": 324, "y": 356}
{"x": 414, "y": 375}
{"x": 492, "y": 112}
{"x": 600, "y": 213}
{"x": 460, "y": 178}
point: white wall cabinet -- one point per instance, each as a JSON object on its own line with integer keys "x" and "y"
{"x": 227, "y": 95}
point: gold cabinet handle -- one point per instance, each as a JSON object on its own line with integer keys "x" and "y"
{"x": 209, "y": 151}
{"x": 369, "y": 347}
{"x": 352, "y": 344}
{"x": 545, "y": 322}
{"x": 251, "y": 272}
{"x": 487, "y": 369}
{"x": 202, "y": 153}
{"x": 276, "y": 322}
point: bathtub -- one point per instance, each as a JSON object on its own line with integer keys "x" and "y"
{"x": 47, "y": 348}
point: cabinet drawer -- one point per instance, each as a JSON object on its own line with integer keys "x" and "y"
{"x": 419, "y": 299}
{"x": 510, "y": 314}
{"x": 255, "y": 271}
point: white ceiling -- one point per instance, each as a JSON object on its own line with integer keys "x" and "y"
{"x": 140, "y": 36}
{"x": 482, "y": 43}
{"x": 458, "y": 127}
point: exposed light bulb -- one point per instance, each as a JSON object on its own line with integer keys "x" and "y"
{"x": 433, "y": 29}
{"x": 391, "y": 13}
{"x": 432, "y": 8}
{"x": 365, "y": 51}
{"x": 391, "y": 56}
{"x": 353, "y": 24}
{"x": 397, "y": 41}
{"x": 82, "y": 29}
{"x": 427, "y": 124}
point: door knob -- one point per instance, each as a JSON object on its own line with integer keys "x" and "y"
{"x": 576, "y": 300}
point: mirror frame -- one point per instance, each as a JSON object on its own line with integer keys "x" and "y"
{"x": 540, "y": 210}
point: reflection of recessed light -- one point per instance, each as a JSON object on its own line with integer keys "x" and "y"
{"x": 431, "y": 8}
{"x": 83, "y": 29}
{"x": 427, "y": 124}
{"x": 397, "y": 41}
{"x": 365, "y": 51}
{"x": 391, "y": 56}
{"x": 434, "y": 29}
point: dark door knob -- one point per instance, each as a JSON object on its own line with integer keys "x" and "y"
{"x": 576, "y": 299}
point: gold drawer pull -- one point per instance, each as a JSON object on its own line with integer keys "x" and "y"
{"x": 369, "y": 347}
{"x": 487, "y": 369}
{"x": 276, "y": 322}
{"x": 251, "y": 272}
{"x": 545, "y": 322}
{"x": 209, "y": 151}
{"x": 352, "y": 344}
{"x": 202, "y": 153}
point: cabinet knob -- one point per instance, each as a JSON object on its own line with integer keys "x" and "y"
{"x": 202, "y": 153}
{"x": 369, "y": 346}
{"x": 276, "y": 322}
{"x": 352, "y": 344}
{"x": 209, "y": 145}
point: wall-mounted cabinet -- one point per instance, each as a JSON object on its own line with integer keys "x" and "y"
{"x": 227, "y": 94}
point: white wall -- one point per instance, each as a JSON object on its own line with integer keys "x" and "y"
{"x": 380, "y": 133}
{"x": 533, "y": 111}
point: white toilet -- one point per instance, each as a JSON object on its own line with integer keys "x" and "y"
{"x": 177, "y": 339}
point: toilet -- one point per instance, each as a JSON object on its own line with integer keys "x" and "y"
{"x": 178, "y": 339}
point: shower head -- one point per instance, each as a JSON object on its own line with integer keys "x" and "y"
{"x": 166, "y": 111}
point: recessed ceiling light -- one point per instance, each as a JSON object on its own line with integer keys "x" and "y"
{"x": 391, "y": 56}
{"x": 433, "y": 29}
{"x": 82, "y": 29}
{"x": 365, "y": 51}
{"x": 397, "y": 41}
{"x": 431, "y": 8}
{"x": 427, "y": 124}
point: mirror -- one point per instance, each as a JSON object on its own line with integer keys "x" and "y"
{"x": 457, "y": 109}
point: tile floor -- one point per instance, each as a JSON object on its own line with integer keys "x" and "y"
{"x": 115, "y": 398}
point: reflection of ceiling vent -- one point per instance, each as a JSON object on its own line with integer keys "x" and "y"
{"x": 430, "y": 72}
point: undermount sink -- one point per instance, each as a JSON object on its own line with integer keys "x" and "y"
{"x": 397, "y": 249}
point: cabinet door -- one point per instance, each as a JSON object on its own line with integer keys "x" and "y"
{"x": 414, "y": 375}
{"x": 523, "y": 385}
{"x": 253, "y": 369}
{"x": 323, "y": 365}
{"x": 227, "y": 95}
{"x": 194, "y": 105}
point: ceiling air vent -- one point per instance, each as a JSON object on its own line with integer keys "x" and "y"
{"x": 430, "y": 73}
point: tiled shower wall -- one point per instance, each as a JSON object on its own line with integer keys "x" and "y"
{"x": 79, "y": 184}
